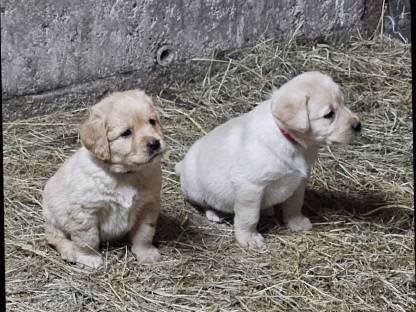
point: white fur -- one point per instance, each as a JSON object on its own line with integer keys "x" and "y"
{"x": 247, "y": 164}
{"x": 247, "y": 150}
{"x": 250, "y": 154}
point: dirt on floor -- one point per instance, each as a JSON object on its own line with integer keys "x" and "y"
{"x": 359, "y": 256}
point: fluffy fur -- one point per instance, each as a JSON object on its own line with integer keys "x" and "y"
{"x": 111, "y": 186}
{"x": 263, "y": 158}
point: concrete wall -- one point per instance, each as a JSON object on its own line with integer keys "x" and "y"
{"x": 397, "y": 20}
{"x": 58, "y": 53}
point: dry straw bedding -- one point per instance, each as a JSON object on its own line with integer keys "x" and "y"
{"x": 358, "y": 257}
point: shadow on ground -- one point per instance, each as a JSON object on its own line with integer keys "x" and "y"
{"x": 372, "y": 207}
{"x": 320, "y": 206}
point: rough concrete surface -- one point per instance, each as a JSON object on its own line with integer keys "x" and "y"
{"x": 53, "y": 50}
{"x": 397, "y": 19}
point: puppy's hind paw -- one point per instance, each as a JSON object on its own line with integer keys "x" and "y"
{"x": 251, "y": 240}
{"x": 299, "y": 223}
{"x": 212, "y": 216}
{"x": 92, "y": 261}
{"x": 147, "y": 255}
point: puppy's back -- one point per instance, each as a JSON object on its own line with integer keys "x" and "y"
{"x": 61, "y": 188}
{"x": 205, "y": 170}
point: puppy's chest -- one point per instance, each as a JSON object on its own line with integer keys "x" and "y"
{"x": 281, "y": 189}
{"x": 120, "y": 211}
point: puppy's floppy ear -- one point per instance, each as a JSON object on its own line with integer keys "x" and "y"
{"x": 155, "y": 112}
{"x": 291, "y": 109}
{"x": 153, "y": 109}
{"x": 141, "y": 94}
{"x": 94, "y": 136}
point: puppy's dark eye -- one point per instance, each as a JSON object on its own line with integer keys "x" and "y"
{"x": 329, "y": 115}
{"x": 126, "y": 133}
{"x": 152, "y": 121}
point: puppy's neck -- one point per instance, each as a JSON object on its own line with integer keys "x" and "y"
{"x": 115, "y": 169}
{"x": 121, "y": 169}
{"x": 307, "y": 148}
{"x": 288, "y": 136}
{"x": 292, "y": 137}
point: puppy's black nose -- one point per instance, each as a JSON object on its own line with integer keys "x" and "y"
{"x": 153, "y": 144}
{"x": 356, "y": 126}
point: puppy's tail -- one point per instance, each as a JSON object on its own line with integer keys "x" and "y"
{"x": 178, "y": 168}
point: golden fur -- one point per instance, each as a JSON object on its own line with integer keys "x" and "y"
{"x": 111, "y": 186}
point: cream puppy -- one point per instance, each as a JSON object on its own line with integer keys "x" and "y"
{"x": 111, "y": 186}
{"x": 263, "y": 158}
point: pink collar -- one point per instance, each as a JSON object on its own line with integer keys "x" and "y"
{"x": 287, "y": 135}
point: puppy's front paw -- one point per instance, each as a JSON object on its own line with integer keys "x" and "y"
{"x": 299, "y": 223}
{"x": 252, "y": 240}
{"x": 92, "y": 261}
{"x": 146, "y": 254}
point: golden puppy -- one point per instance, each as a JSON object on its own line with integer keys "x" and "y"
{"x": 264, "y": 157}
{"x": 111, "y": 186}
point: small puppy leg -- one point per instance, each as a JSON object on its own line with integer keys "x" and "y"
{"x": 142, "y": 233}
{"x": 212, "y": 216}
{"x": 292, "y": 211}
{"x": 87, "y": 241}
{"x": 82, "y": 252}
{"x": 247, "y": 215}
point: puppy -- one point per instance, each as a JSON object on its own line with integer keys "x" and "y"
{"x": 111, "y": 186}
{"x": 264, "y": 157}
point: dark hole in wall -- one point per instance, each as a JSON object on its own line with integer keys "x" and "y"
{"x": 165, "y": 55}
